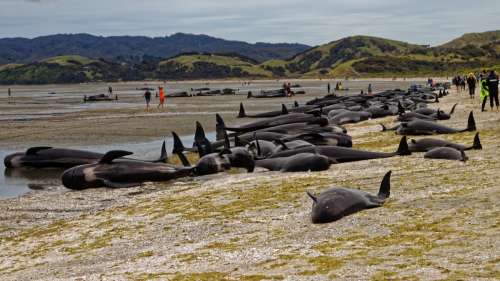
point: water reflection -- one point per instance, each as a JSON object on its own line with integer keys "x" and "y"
{"x": 15, "y": 182}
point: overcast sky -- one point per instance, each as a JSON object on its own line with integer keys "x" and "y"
{"x": 305, "y": 21}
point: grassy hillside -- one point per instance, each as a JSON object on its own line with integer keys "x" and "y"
{"x": 476, "y": 39}
{"x": 210, "y": 66}
{"x": 364, "y": 56}
{"x": 66, "y": 69}
{"x": 70, "y": 60}
{"x": 356, "y": 56}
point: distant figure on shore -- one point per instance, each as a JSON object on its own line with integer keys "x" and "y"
{"x": 484, "y": 90}
{"x": 110, "y": 90}
{"x": 370, "y": 89}
{"x": 492, "y": 82}
{"x": 471, "y": 83}
{"x": 462, "y": 82}
{"x": 147, "y": 97}
{"x": 9, "y": 92}
{"x": 328, "y": 88}
{"x": 162, "y": 98}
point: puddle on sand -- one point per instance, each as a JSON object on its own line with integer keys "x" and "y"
{"x": 16, "y": 182}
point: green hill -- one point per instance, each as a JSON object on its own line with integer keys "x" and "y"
{"x": 365, "y": 56}
{"x": 356, "y": 56}
{"x": 476, "y": 39}
{"x": 69, "y": 60}
{"x": 210, "y": 66}
{"x": 65, "y": 69}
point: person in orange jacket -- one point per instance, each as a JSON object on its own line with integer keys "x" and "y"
{"x": 162, "y": 97}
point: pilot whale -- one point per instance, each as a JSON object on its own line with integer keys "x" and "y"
{"x": 108, "y": 172}
{"x": 338, "y": 202}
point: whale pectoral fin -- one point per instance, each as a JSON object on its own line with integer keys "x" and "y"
{"x": 35, "y": 150}
{"x": 112, "y": 155}
{"x": 112, "y": 184}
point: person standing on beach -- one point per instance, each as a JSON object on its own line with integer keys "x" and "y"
{"x": 369, "y": 89}
{"x": 9, "y": 92}
{"x": 110, "y": 91}
{"x": 471, "y": 83}
{"x": 147, "y": 97}
{"x": 483, "y": 96}
{"x": 492, "y": 82}
{"x": 162, "y": 97}
{"x": 328, "y": 88}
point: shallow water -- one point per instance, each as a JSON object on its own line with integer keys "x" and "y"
{"x": 16, "y": 182}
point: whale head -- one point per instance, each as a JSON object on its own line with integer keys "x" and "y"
{"x": 13, "y": 160}
{"x": 80, "y": 177}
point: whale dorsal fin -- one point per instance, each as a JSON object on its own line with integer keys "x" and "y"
{"x": 112, "y": 155}
{"x": 413, "y": 141}
{"x": 35, "y": 150}
{"x": 163, "y": 155}
{"x": 385, "y": 186}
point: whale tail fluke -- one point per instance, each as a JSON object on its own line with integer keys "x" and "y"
{"x": 220, "y": 127}
{"x": 477, "y": 142}
{"x": 453, "y": 109}
{"x": 403, "y": 147}
{"x": 401, "y": 109}
{"x": 284, "y": 110}
{"x": 242, "y": 113}
{"x": 179, "y": 149}
{"x": 471, "y": 123}
{"x": 201, "y": 141}
{"x": 385, "y": 186}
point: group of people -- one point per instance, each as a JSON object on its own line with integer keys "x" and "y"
{"x": 459, "y": 82}
{"x": 488, "y": 87}
{"x": 160, "y": 94}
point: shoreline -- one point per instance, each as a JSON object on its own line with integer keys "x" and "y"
{"x": 441, "y": 220}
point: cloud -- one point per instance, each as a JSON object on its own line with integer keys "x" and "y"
{"x": 311, "y": 22}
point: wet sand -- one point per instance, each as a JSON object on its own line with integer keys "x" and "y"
{"x": 441, "y": 223}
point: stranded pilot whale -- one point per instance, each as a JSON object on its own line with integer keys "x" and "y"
{"x": 344, "y": 154}
{"x": 120, "y": 174}
{"x": 426, "y": 144}
{"x": 446, "y": 153}
{"x": 49, "y": 157}
{"x": 422, "y": 127}
{"x": 338, "y": 202}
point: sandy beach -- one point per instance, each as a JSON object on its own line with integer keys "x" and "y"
{"x": 441, "y": 222}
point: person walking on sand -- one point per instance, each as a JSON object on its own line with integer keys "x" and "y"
{"x": 328, "y": 88}
{"x": 110, "y": 91}
{"x": 369, "y": 89}
{"x": 162, "y": 97}
{"x": 471, "y": 83}
{"x": 147, "y": 97}
{"x": 492, "y": 82}
{"x": 483, "y": 96}
{"x": 9, "y": 92}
